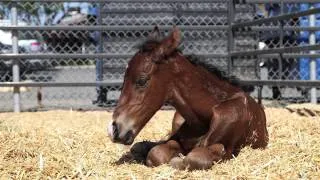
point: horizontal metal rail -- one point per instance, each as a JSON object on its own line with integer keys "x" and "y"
{"x": 152, "y": 11}
{"x": 276, "y": 18}
{"x": 274, "y": 1}
{"x": 170, "y": 1}
{"x": 108, "y": 55}
{"x": 61, "y": 56}
{"x": 291, "y": 55}
{"x": 276, "y": 28}
{"x": 109, "y": 28}
{"x": 129, "y": 28}
{"x": 164, "y": 10}
{"x": 120, "y": 1}
{"x": 286, "y": 55}
{"x": 118, "y": 83}
{"x": 59, "y": 84}
{"x": 290, "y": 83}
{"x": 87, "y": 56}
{"x": 276, "y": 50}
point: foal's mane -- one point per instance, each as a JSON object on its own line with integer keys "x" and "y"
{"x": 150, "y": 44}
{"x": 219, "y": 73}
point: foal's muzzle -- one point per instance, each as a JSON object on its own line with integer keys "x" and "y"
{"x": 119, "y": 135}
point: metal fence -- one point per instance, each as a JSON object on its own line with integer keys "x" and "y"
{"x": 78, "y": 50}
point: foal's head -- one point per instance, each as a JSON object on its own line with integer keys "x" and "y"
{"x": 145, "y": 88}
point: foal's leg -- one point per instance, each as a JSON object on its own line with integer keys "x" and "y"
{"x": 177, "y": 122}
{"x": 140, "y": 150}
{"x": 163, "y": 153}
{"x": 228, "y": 125}
{"x": 199, "y": 158}
{"x": 225, "y": 136}
{"x": 258, "y": 134}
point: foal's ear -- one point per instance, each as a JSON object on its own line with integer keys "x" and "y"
{"x": 155, "y": 34}
{"x": 169, "y": 44}
{"x": 175, "y": 37}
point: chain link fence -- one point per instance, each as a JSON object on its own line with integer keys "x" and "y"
{"x": 74, "y": 54}
{"x": 289, "y": 34}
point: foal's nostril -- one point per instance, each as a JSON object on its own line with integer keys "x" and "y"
{"x": 128, "y": 138}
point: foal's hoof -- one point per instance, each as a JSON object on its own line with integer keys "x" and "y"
{"x": 177, "y": 163}
{"x": 140, "y": 150}
{"x": 217, "y": 149}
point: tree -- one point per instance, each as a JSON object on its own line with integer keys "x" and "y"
{"x": 36, "y": 13}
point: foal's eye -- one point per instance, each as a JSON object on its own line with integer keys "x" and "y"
{"x": 142, "y": 81}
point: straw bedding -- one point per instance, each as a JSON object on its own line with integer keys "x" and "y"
{"x": 70, "y": 144}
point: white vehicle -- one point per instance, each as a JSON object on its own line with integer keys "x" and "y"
{"x": 29, "y": 45}
{"x": 24, "y": 45}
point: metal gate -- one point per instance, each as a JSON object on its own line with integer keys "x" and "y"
{"x": 84, "y": 46}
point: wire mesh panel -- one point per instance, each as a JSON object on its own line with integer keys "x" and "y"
{"x": 129, "y": 24}
{"x": 48, "y": 42}
{"x": 88, "y": 42}
{"x": 284, "y": 33}
{"x": 203, "y": 26}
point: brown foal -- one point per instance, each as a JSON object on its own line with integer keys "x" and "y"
{"x": 214, "y": 117}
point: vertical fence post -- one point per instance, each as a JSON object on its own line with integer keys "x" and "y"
{"x": 313, "y": 74}
{"x": 101, "y": 94}
{"x": 100, "y": 43}
{"x": 15, "y": 64}
{"x": 231, "y": 12}
{"x": 281, "y": 39}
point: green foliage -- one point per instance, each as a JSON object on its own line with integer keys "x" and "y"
{"x": 32, "y": 7}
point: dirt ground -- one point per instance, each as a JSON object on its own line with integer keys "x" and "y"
{"x": 70, "y": 144}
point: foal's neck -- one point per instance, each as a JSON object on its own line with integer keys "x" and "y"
{"x": 197, "y": 91}
{"x": 211, "y": 84}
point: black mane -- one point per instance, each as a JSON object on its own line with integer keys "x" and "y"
{"x": 150, "y": 44}
{"x": 219, "y": 73}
